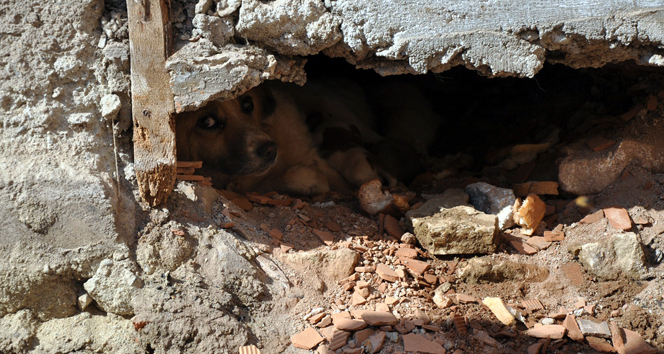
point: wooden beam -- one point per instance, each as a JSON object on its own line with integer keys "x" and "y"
{"x": 152, "y": 99}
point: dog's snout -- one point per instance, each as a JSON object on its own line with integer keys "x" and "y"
{"x": 267, "y": 151}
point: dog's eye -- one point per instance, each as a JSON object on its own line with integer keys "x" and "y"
{"x": 247, "y": 105}
{"x": 208, "y": 122}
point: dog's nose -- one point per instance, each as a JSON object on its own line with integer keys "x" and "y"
{"x": 267, "y": 151}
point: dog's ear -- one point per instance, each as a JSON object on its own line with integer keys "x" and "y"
{"x": 269, "y": 103}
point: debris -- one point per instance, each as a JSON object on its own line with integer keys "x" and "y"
{"x": 249, "y": 349}
{"x": 618, "y": 218}
{"x": 326, "y": 237}
{"x": 573, "y": 330}
{"x": 375, "y": 343}
{"x": 417, "y": 343}
{"x": 408, "y": 238}
{"x": 532, "y": 305}
{"x": 635, "y": 344}
{"x": 418, "y": 267}
{"x": 374, "y": 201}
{"x": 573, "y": 273}
{"x": 306, "y": 339}
{"x": 113, "y": 286}
{"x": 548, "y": 331}
{"x": 594, "y": 329}
{"x": 347, "y": 324}
{"x": 482, "y": 270}
{"x": 84, "y": 301}
{"x": 553, "y": 236}
{"x": 600, "y": 345}
{"x": 530, "y": 213}
{"x": 499, "y": 310}
{"x": 376, "y": 318}
{"x": 600, "y": 143}
{"x": 386, "y": 273}
{"x": 493, "y": 200}
{"x": 338, "y": 339}
{"x": 392, "y": 227}
{"x": 460, "y": 324}
{"x": 465, "y": 299}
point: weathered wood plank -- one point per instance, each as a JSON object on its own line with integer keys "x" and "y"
{"x": 152, "y": 99}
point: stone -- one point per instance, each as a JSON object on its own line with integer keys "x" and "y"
{"x": 332, "y": 264}
{"x": 346, "y": 324}
{"x": 408, "y": 238}
{"x": 620, "y": 253}
{"x": 306, "y": 339}
{"x": 496, "y": 306}
{"x": 585, "y": 172}
{"x": 373, "y": 200}
{"x": 417, "y": 343}
{"x": 572, "y": 327}
{"x": 590, "y": 328}
{"x": 386, "y": 273}
{"x": 110, "y": 106}
{"x": 114, "y": 286}
{"x": 377, "y": 318}
{"x": 84, "y": 301}
{"x": 375, "y": 343}
{"x": 487, "y": 270}
{"x": 489, "y": 199}
{"x": 549, "y": 331}
{"x": 618, "y": 218}
{"x": 459, "y": 230}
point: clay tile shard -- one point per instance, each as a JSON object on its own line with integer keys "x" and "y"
{"x": 600, "y": 143}
{"x": 547, "y": 331}
{"x": 358, "y": 299}
{"x": 333, "y": 226}
{"x": 416, "y": 266}
{"x": 651, "y": 103}
{"x": 274, "y": 233}
{"x": 249, "y": 349}
{"x": 406, "y": 252}
{"x": 375, "y": 343}
{"x": 523, "y": 247}
{"x": 377, "y": 318}
{"x": 531, "y": 212}
{"x": 618, "y": 218}
{"x": 629, "y": 115}
{"x": 553, "y": 236}
{"x": 465, "y": 299}
{"x": 386, "y": 273}
{"x": 573, "y": 272}
{"x": 324, "y": 236}
{"x": 635, "y": 344}
{"x": 593, "y": 218}
{"x": 544, "y": 188}
{"x": 243, "y": 203}
{"x": 392, "y": 227}
{"x": 600, "y": 345}
{"x": 340, "y": 316}
{"x": 532, "y": 305}
{"x": 460, "y": 324}
{"x": 346, "y": 324}
{"x": 417, "y": 343}
{"x": 573, "y": 331}
{"x": 535, "y": 348}
{"x": 617, "y": 338}
{"x": 306, "y": 339}
{"x": 362, "y": 335}
{"x": 499, "y": 310}
{"x": 339, "y": 339}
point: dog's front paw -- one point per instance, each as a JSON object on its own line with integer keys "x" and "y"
{"x": 305, "y": 180}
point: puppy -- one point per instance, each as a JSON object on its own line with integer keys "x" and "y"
{"x": 258, "y": 142}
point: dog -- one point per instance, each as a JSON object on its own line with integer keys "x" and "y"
{"x": 302, "y": 140}
{"x": 256, "y": 142}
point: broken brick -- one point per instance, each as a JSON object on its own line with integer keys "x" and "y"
{"x": 419, "y": 267}
{"x": 326, "y": 237}
{"x": 306, "y": 339}
{"x": 544, "y": 188}
{"x": 377, "y": 318}
{"x": 333, "y": 226}
{"x": 600, "y": 345}
{"x": 552, "y": 236}
{"x": 651, "y": 103}
{"x": 386, "y": 273}
{"x": 392, "y": 227}
{"x": 547, "y": 331}
{"x": 618, "y": 218}
{"x": 573, "y": 330}
{"x": 417, "y": 343}
{"x": 600, "y": 143}
{"x": 593, "y": 218}
{"x": 347, "y": 324}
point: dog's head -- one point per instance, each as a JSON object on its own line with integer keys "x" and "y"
{"x": 227, "y": 136}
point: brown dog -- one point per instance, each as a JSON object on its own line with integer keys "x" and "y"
{"x": 258, "y": 141}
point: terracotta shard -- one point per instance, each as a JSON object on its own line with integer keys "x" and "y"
{"x": 618, "y": 218}
{"x": 386, "y": 273}
{"x": 547, "y": 331}
{"x": 306, "y": 339}
{"x": 417, "y": 343}
{"x": 600, "y": 143}
{"x": 249, "y": 349}
{"x": 350, "y": 325}
{"x": 572, "y": 327}
{"x": 378, "y": 318}
{"x": 416, "y": 266}
{"x": 326, "y": 237}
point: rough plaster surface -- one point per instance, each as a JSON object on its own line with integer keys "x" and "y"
{"x": 68, "y": 217}
{"x": 395, "y": 37}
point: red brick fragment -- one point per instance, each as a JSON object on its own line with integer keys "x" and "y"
{"x": 651, "y": 103}
{"x": 600, "y": 345}
{"x": 573, "y": 330}
{"x": 392, "y": 227}
{"x": 618, "y": 218}
{"x": 306, "y": 339}
{"x": 416, "y": 266}
{"x": 326, "y": 237}
{"x": 417, "y": 343}
{"x": 573, "y": 273}
{"x": 600, "y": 143}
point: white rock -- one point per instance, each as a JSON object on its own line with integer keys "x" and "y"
{"x": 110, "y": 106}
{"x": 113, "y": 286}
{"x": 84, "y": 301}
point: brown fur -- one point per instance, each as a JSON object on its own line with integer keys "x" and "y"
{"x": 232, "y": 153}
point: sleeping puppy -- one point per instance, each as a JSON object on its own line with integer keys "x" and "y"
{"x": 258, "y": 142}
